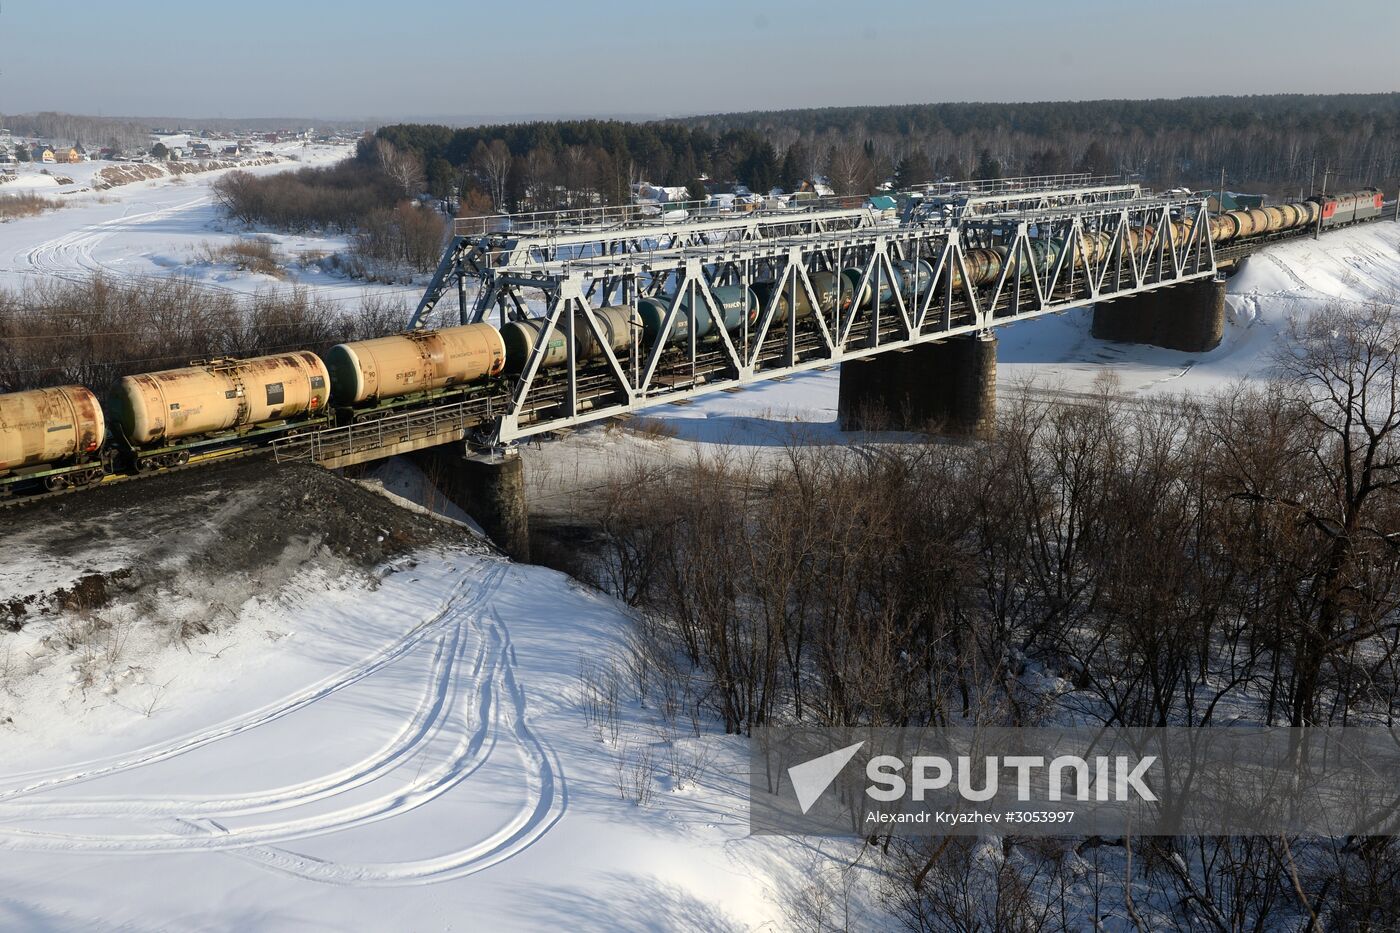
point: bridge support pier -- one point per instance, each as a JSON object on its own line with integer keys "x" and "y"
{"x": 490, "y": 487}
{"x": 1189, "y": 317}
{"x": 949, "y": 387}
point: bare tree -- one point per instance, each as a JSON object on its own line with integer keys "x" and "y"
{"x": 494, "y": 162}
{"x": 849, "y": 169}
{"x": 403, "y": 167}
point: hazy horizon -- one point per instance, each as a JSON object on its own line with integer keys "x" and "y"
{"x": 355, "y": 61}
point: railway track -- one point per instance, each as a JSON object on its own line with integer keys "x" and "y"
{"x": 112, "y": 479}
{"x": 594, "y": 388}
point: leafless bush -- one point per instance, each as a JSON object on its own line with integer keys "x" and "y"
{"x": 26, "y": 205}
{"x": 600, "y": 698}
{"x": 249, "y": 254}
{"x": 686, "y": 762}
{"x": 93, "y": 331}
{"x": 635, "y": 774}
{"x": 404, "y": 236}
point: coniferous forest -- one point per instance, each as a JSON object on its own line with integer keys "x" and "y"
{"x": 1282, "y": 144}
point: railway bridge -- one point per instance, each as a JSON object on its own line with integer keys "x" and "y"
{"x": 905, "y": 301}
{"x": 604, "y": 312}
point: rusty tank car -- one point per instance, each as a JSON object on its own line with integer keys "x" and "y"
{"x": 52, "y": 436}
{"x": 217, "y": 397}
{"x": 413, "y": 363}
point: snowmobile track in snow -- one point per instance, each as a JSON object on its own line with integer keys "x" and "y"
{"x": 470, "y": 700}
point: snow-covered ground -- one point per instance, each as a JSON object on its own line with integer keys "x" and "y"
{"x": 425, "y": 733}
{"x": 163, "y": 226}
{"x": 405, "y": 752}
{"x": 413, "y": 754}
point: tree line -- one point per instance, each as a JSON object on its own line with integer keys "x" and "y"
{"x": 574, "y": 163}
{"x": 1273, "y": 142}
{"x": 93, "y": 132}
{"x": 1278, "y": 144}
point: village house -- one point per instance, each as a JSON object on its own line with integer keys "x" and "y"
{"x": 41, "y": 153}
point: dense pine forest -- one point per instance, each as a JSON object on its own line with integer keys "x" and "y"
{"x": 1277, "y": 144}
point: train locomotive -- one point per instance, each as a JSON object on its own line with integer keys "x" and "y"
{"x": 63, "y": 436}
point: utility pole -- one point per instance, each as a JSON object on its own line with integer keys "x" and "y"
{"x": 1322, "y": 201}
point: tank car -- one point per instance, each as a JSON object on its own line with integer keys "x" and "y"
{"x": 521, "y": 337}
{"x": 823, "y": 286}
{"x": 735, "y": 302}
{"x": 217, "y": 398}
{"x": 50, "y": 436}
{"x": 413, "y": 364}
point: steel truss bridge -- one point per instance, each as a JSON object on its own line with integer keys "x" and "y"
{"x": 561, "y": 268}
{"x": 564, "y": 274}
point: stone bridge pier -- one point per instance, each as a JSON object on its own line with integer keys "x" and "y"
{"x": 1189, "y": 316}
{"x": 490, "y": 487}
{"x": 949, "y": 387}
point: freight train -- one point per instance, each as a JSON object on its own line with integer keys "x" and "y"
{"x": 61, "y": 437}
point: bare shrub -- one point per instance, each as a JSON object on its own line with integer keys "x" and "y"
{"x": 93, "y": 331}
{"x": 635, "y": 773}
{"x": 335, "y": 197}
{"x": 248, "y": 254}
{"x": 600, "y": 690}
{"x": 404, "y": 236}
{"x": 26, "y": 205}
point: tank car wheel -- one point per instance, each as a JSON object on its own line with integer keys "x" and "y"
{"x": 180, "y": 459}
{"x": 146, "y": 464}
{"x": 55, "y": 483}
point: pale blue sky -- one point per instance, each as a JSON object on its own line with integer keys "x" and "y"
{"x": 400, "y": 58}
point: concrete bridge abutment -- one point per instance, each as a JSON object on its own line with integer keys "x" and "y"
{"x": 948, "y": 387}
{"x": 490, "y": 487}
{"x": 1189, "y": 317}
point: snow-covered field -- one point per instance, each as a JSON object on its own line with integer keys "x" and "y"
{"x": 413, "y": 754}
{"x": 160, "y": 227}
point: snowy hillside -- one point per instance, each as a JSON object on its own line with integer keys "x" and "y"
{"x": 333, "y": 743}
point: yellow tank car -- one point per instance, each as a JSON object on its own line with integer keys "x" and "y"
{"x": 388, "y": 367}
{"x": 219, "y": 396}
{"x": 59, "y": 425}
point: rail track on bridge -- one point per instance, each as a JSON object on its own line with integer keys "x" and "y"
{"x": 961, "y": 261}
